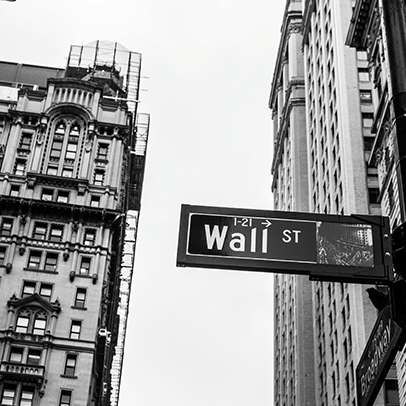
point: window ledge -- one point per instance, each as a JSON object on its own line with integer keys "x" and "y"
{"x": 78, "y": 308}
{"x": 69, "y": 376}
{"x": 41, "y": 270}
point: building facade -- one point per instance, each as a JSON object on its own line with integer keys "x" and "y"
{"x": 367, "y": 34}
{"x": 72, "y": 158}
{"x": 335, "y": 141}
{"x": 294, "y": 347}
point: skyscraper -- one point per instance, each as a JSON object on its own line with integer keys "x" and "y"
{"x": 367, "y": 34}
{"x": 321, "y": 166}
{"x": 72, "y": 155}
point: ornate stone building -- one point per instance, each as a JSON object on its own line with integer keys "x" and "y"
{"x": 72, "y": 154}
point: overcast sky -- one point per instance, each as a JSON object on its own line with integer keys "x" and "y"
{"x": 196, "y": 337}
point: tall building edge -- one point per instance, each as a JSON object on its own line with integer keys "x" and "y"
{"x": 72, "y": 159}
{"x": 336, "y": 137}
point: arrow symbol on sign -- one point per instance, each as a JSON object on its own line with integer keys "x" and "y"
{"x": 267, "y": 223}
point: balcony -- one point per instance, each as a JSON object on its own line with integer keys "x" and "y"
{"x": 24, "y": 372}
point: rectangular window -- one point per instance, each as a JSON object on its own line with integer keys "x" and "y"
{"x": 40, "y": 231}
{"x": 27, "y": 396}
{"x": 95, "y": 201}
{"x": 62, "y": 196}
{"x": 71, "y": 150}
{"x": 85, "y": 266}
{"x": 45, "y": 291}
{"x": 56, "y": 233}
{"x": 6, "y": 226}
{"x": 51, "y": 261}
{"x": 25, "y": 141}
{"x": 66, "y": 397}
{"x": 8, "y": 395}
{"x": 102, "y": 151}
{"x": 16, "y": 354}
{"x": 52, "y": 170}
{"x": 47, "y": 195}
{"x": 3, "y": 255}
{"x": 67, "y": 172}
{"x": 34, "y": 260}
{"x": 14, "y": 190}
{"x": 70, "y": 364}
{"x": 80, "y": 297}
{"x": 19, "y": 167}
{"x": 56, "y": 150}
{"x": 98, "y": 178}
{"x": 75, "y": 329}
{"x": 89, "y": 237}
{"x": 22, "y": 324}
{"x": 39, "y": 325}
{"x": 28, "y": 288}
{"x": 33, "y": 357}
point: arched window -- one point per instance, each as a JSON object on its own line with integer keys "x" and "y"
{"x": 64, "y": 147}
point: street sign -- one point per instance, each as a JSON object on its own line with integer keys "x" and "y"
{"x": 355, "y": 249}
{"x": 384, "y": 342}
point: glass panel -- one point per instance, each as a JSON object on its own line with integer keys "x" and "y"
{"x": 22, "y": 324}
{"x": 46, "y": 291}
{"x": 8, "y": 395}
{"x": 27, "y": 397}
{"x": 34, "y": 260}
{"x": 50, "y": 262}
{"x": 33, "y": 357}
{"x": 75, "y": 329}
{"x": 39, "y": 326}
{"x": 16, "y": 355}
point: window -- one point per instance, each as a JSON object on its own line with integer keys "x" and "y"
{"x": 70, "y": 364}
{"x": 80, "y": 297}
{"x": 95, "y": 201}
{"x": 71, "y": 148}
{"x": 51, "y": 261}
{"x": 56, "y": 233}
{"x": 98, "y": 178}
{"x": 22, "y": 324}
{"x": 65, "y": 399}
{"x": 14, "y": 190}
{"x": 6, "y": 226}
{"x": 2, "y": 255}
{"x": 85, "y": 266}
{"x": 102, "y": 151}
{"x": 19, "y": 167}
{"x": 25, "y": 141}
{"x": 47, "y": 195}
{"x": 8, "y": 395}
{"x": 27, "y": 396}
{"x": 62, "y": 197}
{"x": 34, "y": 260}
{"x": 56, "y": 150}
{"x": 39, "y": 325}
{"x": 75, "y": 329}
{"x": 28, "y": 288}
{"x": 40, "y": 231}
{"x": 391, "y": 392}
{"x": 89, "y": 237}
{"x": 16, "y": 354}
{"x": 33, "y": 356}
{"x": 52, "y": 170}
{"x": 67, "y": 172}
{"x": 45, "y": 291}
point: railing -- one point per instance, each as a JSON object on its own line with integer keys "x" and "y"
{"x": 24, "y": 370}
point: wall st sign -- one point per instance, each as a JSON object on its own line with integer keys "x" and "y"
{"x": 327, "y": 247}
